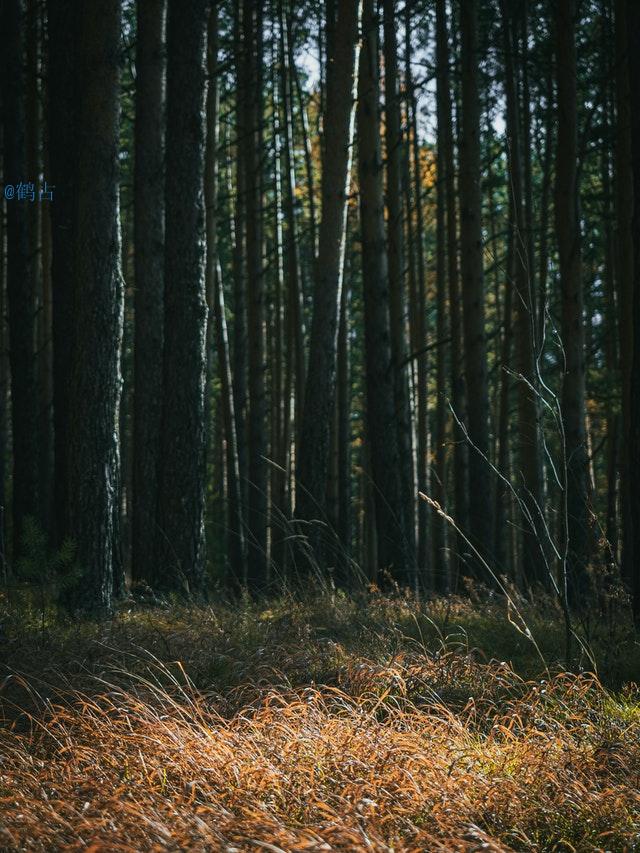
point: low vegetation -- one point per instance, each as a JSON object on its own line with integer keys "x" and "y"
{"x": 318, "y": 723}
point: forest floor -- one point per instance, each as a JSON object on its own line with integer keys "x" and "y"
{"x": 318, "y": 723}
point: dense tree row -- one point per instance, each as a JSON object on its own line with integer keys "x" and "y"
{"x": 305, "y": 261}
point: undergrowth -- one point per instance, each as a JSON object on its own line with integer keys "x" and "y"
{"x": 317, "y": 723}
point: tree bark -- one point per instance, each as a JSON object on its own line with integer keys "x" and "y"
{"x": 624, "y": 178}
{"x": 217, "y": 315}
{"x": 480, "y": 503}
{"x": 257, "y": 514}
{"x": 391, "y": 523}
{"x": 180, "y": 537}
{"x": 396, "y": 255}
{"x": 457, "y": 390}
{"x": 63, "y": 85}
{"x": 633, "y": 436}
{"x": 418, "y": 318}
{"x": 320, "y": 385}
{"x": 20, "y": 280}
{"x": 95, "y": 380}
{"x": 567, "y": 200}
{"x": 149, "y": 281}
{"x": 529, "y": 480}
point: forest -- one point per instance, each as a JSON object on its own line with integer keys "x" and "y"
{"x": 318, "y": 521}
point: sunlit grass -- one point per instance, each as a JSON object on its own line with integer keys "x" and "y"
{"x": 364, "y": 723}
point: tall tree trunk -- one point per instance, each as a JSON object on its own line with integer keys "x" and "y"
{"x": 149, "y": 281}
{"x": 503, "y": 460}
{"x": 94, "y": 383}
{"x": 446, "y": 173}
{"x": 418, "y": 314}
{"x": 344, "y": 439}
{"x": 611, "y": 343}
{"x": 62, "y": 86}
{"x": 480, "y": 503}
{"x": 391, "y": 524}
{"x": 217, "y": 314}
{"x": 20, "y": 279}
{"x": 625, "y": 278}
{"x": 239, "y": 354}
{"x": 396, "y": 255}
{"x": 439, "y": 531}
{"x": 180, "y": 537}
{"x": 34, "y": 169}
{"x": 633, "y": 436}
{"x": 320, "y": 384}
{"x": 4, "y": 391}
{"x": 529, "y": 449}
{"x": 280, "y": 374}
{"x": 568, "y": 236}
{"x": 257, "y": 426}
{"x": 295, "y": 325}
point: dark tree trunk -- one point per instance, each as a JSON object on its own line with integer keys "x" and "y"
{"x": 528, "y": 431}
{"x": 396, "y": 255}
{"x": 480, "y": 503}
{"x": 217, "y": 316}
{"x": 257, "y": 515}
{"x": 625, "y": 279}
{"x": 295, "y": 326}
{"x": 394, "y": 555}
{"x": 94, "y": 383}
{"x": 313, "y": 464}
{"x": 20, "y": 279}
{"x": 418, "y": 317}
{"x": 4, "y": 393}
{"x": 149, "y": 281}
{"x": 633, "y": 437}
{"x": 239, "y": 352}
{"x": 567, "y": 203}
{"x": 63, "y": 83}
{"x": 446, "y": 173}
{"x": 180, "y": 535}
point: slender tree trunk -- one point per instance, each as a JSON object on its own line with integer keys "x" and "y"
{"x": 239, "y": 353}
{"x": 503, "y": 459}
{"x": 418, "y": 316}
{"x": 611, "y": 343}
{"x": 446, "y": 173}
{"x": 277, "y": 323}
{"x": 95, "y": 380}
{"x": 344, "y": 439}
{"x": 396, "y": 255}
{"x": 217, "y": 314}
{"x": 62, "y": 86}
{"x": 180, "y": 539}
{"x": 625, "y": 278}
{"x": 568, "y": 236}
{"x": 4, "y": 389}
{"x": 633, "y": 437}
{"x": 543, "y": 244}
{"x": 34, "y": 170}
{"x": 321, "y": 373}
{"x": 391, "y": 523}
{"x": 149, "y": 281}
{"x": 45, "y": 368}
{"x": 529, "y": 450}
{"x": 293, "y": 273}
{"x": 20, "y": 279}
{"x": 257, "y": 424}
{"x": 439, "y": 531}
{"x": 480, "y": 503}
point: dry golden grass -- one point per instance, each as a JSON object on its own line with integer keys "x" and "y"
{"x": 403, "y": 748}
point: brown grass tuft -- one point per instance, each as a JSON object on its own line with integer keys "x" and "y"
{"x": 410, "y": 750}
